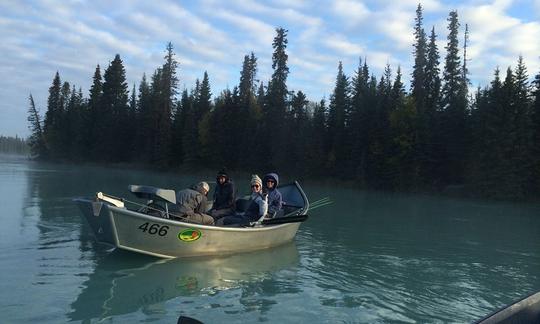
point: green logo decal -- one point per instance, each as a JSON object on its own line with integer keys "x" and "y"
{"x": 189, "y": 235}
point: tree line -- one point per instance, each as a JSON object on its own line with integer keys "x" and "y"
{"x": 371, "y": 130}
{"x": 14, "y": 145}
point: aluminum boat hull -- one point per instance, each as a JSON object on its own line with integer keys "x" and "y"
{"x": 166, "y": 238}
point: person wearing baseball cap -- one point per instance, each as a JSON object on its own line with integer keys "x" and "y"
{"x": 192, "y": 204}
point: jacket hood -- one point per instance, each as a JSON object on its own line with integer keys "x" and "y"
{"x": 273, "y": 176}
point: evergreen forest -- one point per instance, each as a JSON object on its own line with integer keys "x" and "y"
{"x": 14, "y": 145}
{"x": 437, "y": 136}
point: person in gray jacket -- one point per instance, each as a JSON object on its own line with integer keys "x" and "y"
{"x": 192, "y": 202}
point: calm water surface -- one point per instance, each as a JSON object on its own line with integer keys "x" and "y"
{"x": 368, "y": 258}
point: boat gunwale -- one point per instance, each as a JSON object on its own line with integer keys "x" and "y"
{"x": 136, "y": 214}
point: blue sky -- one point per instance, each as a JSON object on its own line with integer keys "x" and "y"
{"x": 38, "y": 38}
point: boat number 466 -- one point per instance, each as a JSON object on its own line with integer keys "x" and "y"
{"x": 153, "y": 229}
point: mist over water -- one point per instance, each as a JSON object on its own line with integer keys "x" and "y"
{"x": 367, "y": 258}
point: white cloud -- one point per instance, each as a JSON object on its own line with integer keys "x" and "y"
{"x": 258, "y": 30}
{"x": 497, "y": 39}
{"x": 284, "y": 10}
{"x": 379, "y": 59}
{"x": 352, "y": 11}
{"x": 193, "y": 23}
{"x": 396, "y": 26}
{"x": 305, "y": 64}
{"x": 298, "y": 4}
{"x": 342, "y": 46}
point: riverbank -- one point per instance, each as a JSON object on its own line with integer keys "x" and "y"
{"x": 461, "y": 191}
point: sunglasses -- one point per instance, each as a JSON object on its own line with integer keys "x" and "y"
{"x": 255, "y": 186}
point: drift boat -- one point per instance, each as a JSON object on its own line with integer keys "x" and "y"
{"x": 153, "y": 229}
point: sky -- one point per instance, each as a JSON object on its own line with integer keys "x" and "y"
{"x": 39, "y": 38}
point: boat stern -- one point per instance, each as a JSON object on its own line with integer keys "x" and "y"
{"x": 98, "y": 216}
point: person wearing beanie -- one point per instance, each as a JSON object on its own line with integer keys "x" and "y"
{"x": 257, "y": 206}
{"x": 192, "y": 202}
{"x": 275, "y": 200}
{"x": 255, "y": 180}
{"x": 224, "y": 196}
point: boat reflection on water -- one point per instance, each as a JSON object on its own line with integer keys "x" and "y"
{"x": 123, "y": 282}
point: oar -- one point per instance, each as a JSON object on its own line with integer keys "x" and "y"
{"x": 284, "y": 220}
{"x": 321, "y": 205}
{"x": 315, "y": 203}
{"x": 320, "y": 201}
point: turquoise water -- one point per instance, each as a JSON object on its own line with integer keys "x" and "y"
{"x": 368, "y": 258}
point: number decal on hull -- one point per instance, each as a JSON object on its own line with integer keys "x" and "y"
{"x": 154, "y": 229}
{"x": 189, "y": 235}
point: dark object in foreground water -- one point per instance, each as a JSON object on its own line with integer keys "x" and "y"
{"x": 188, "y": 320}
{"x": 524, "y": 311}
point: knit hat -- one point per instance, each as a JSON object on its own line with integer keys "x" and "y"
{"x": 256, "y": 180}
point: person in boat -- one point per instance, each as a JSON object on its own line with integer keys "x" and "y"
{"x": 257, "y": 206}
{"x": 192, "y": 204}
{"x": 275, "y": 200}
{"x": 224, "y": 196}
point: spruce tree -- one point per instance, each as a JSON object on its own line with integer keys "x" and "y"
{"x": 535, "y": 149}
{"x": 522, "y": 131}
{"x": 36, "y": 140}
{"x": 454, "y": 105}
{"x": 132, "y": 123}
{"x": 360, "y": 121}
{"x": 380, "y": 137}
{"x": 418, "y": 81}
{"x": 401, "y": 154}
{"x": 115, "y": 112}
{"x": 273, "y": 137}
{"x": 190, "y": 138}
{"x": 74, "y": 134}
{"x": 297, "y": 141}
{"x": 178, "y": 125}
{"x": 337, "y": 116}
{"x": 165, "y": 89}
{"x": 429, "y": 145}
{"x": 203, "y": 106}
{"x": 317, "y": 136}
{"x": 94, "y": 126}
{"x": 144, "y": 135}
{"x": 53, "y": 118}
{"x": 247, "y": 124}
{"x": 490, "y": 139}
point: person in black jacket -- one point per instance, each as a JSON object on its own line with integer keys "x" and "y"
{"x": 224, "y": 196}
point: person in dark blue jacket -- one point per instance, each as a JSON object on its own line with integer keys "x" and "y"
{"x": 270, "y": 183}
{"x": 224, "y": 196}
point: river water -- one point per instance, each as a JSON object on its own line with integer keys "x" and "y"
{"x": 367, "y": 258}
